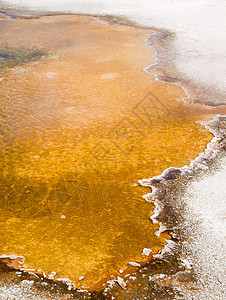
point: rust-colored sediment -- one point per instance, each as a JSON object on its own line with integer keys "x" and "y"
{"x": 81, "y": 123}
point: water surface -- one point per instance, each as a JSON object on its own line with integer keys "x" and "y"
{"x": 81, "y": 122}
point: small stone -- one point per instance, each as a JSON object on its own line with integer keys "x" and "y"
{"x": 63, "y": 217}
{"x": 81, "y": 278}
{"x": 121, "y": 282}
{"x": 146, "y": 251}
{"x": 51, "y": 276}
{"x": 134, "y": 264}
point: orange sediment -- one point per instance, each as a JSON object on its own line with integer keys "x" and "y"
{"x": 81, "y": 123}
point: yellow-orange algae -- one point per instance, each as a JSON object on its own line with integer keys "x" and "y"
{"x": 80, "y": 126}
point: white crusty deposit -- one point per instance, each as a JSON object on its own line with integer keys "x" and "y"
{"x": 205, "y": 220}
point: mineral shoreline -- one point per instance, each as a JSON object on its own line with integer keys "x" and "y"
{"x": 171, "y": 178}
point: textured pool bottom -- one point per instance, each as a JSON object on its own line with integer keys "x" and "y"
{"x": 73, "y": 151}
{"x": 170, "y": 274}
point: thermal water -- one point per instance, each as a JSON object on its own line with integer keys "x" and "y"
{"x": 81, "y": 123}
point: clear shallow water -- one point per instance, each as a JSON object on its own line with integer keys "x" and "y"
{"x": 198, "y": 47}
{"x": 80, "y": 126}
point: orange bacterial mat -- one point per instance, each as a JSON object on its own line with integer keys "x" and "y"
{"x": 81, "y": 123}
